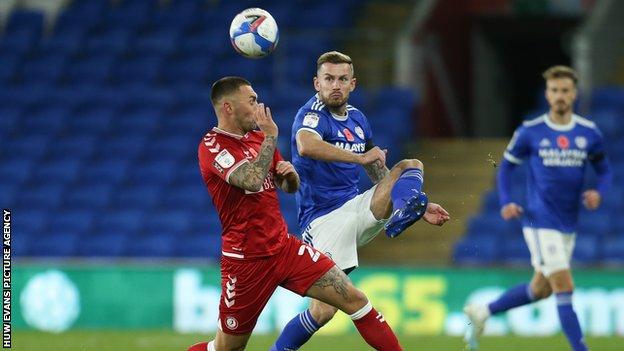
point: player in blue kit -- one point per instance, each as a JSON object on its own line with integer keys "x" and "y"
{"x": 330, "y": 141}
{"x": 558, "y": 146}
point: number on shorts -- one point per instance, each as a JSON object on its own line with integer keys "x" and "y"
{"x": 313, "y": 253}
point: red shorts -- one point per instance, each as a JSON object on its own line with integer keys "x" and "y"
{"x": 247, "y": 285}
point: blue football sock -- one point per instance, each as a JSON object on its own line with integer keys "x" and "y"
{"x": 409, "y": 184}
{"x": 297, "y": 332}
{"x": 569, "y": 321}
{"x": 517, "y": 296}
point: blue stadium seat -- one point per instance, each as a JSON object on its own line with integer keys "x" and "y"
{"x": 44, "y": 69}
{"x": 607, "y": 97}
{"x": 108, "y": 244}
{"x": 609, "y": 120}
{"x": 163, "y": 41}
{"x": 594, "y": 223}
{"x": 16, "y": 170}
{"x": 57, "y": 242}
{"x": 66, "y": 41}
{"x": 198, "y": 246}
{"x": 137, "y": 70}
{"x": 10, "y": 119}
{"x": 174, "y": 222}
{"x": 107, "y": 170}
{"x": 191, "y": 196}
{"x": 113, "y": 40}
{"x": 21, "y": 19}
{"x": 79, "y": 221}
{"x": 91, "y": 120}
{"x": 121, "y": 221}
{"x": 29, "y": 221}
{"x": 75, "y": 146}
{"x": 160, "y": 245}
{"x": 515, "y": 252}
{"x": 27, "y": 146}
{"x": 46, "y": 119}
{"x": 62, "y": 170}
{"x": 188, "y": 70}
{"x": 402, "y": 98}
{"x": 588, "y": 250}
{"x": 157, "y": 171}
{"x": 172, "y": 147}
{"x": 613, "y": 251}
{"x": 207, "y": 222}
{"x": 138, "y": 196}
{"x": 20, "y": 244}
{"x": 91, "y": 70}
{"x": 188, "y": 174}
{"x": 124, "y": 147}
{"x": 476, "y": 250}
{"x": 9, "y": 63}
{"x": 8, "y": 191}
{"x": 137, "y": 120}
{"x": 96, "y": 195}
{"x": 20, "y": 41}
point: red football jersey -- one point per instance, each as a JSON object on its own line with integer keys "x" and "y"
{"x": 253, "y": 225}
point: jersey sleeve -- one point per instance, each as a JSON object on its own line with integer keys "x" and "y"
{"x": 219, "y": 157}
{"x": 519, "y": 146}
{"x": 311, "y": 121}
{"x": 597, "y": 151}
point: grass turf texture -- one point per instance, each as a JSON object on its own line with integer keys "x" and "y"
{"x": 169, "y": 341}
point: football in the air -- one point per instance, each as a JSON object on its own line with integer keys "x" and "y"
{"x": 254, "y": 33}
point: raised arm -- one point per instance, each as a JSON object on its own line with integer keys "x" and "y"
{"x": 250, "y": 175}
{"x": 311, "y": 145}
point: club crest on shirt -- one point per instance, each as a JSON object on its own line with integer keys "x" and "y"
{"x": 225, "y": 159}
{"x": 563, "y": 142}
{"x": 359, "y": 132}
{"x": 581, "y": 142}
{"x": 311, "y": 120}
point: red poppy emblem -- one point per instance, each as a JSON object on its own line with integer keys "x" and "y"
{"x": 563, "y": 142}
{"x": 348, "y": 134}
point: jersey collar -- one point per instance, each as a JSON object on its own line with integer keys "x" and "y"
{"x": 221, "y": 131}
{"x": 340, "y": 118}
{"x": 560, "y": 127}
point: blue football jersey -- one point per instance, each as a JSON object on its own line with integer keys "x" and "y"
{"x": 558, "y": 156}
{"x": 326, "y": 186}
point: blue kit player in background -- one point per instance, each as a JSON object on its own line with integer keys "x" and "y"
{"x": 330, "y": 140}
{"x": 558, "y": 146}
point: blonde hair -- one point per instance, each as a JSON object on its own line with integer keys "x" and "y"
{"x": 560, "y": 71}
{"x": 336, "y": 58}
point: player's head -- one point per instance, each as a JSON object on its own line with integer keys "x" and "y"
{"x": 560, "y": 88}
{"x": 234, "y": 101}
{"x": 334, "y": 79}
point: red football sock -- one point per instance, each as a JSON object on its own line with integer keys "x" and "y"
{"x": 375, "y": 330}
{"x": 200, "y": 346}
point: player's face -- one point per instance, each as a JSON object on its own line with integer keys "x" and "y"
{"x": 334, "y": 82}
{"x": 560, "y": 93}
{"x": 243, "y": 104}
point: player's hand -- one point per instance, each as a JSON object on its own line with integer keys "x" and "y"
{"x": 591, "y": 199}
{"x": 264, "y": 120}
{"x": 374, "y": 156}
{"x": 285, "y": 168}
{"x": 436, "y": 215}
{"x": 511, "y": 210}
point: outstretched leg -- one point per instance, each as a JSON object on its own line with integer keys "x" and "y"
{"x": 335, "y": 289}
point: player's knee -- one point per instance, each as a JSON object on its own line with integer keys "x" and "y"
{"x": 357, "y": 299}
{"x": 408, "y": 163}
{"x": 542, "y": 292}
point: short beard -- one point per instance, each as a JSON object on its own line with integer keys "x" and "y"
{"x": 329, "y": 102}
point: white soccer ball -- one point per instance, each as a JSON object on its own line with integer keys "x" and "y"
{"x": 254, "y": 33}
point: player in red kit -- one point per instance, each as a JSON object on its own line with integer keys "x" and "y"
{"x": 242, "y": 168}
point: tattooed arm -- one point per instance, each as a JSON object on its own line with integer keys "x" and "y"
{"x": 376, "y": 172}
{"x": 250, "y": 175}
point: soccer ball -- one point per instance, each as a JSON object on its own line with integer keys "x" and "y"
{"x": 254, "y": 33}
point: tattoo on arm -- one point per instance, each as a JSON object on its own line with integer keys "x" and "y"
{"x": 376, "y": 173}
{"x": 250, "y": 176}
{"x": 334, "y": 278}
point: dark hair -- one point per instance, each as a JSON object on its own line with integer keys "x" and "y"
{"x": 560, "y": 71}
{"x": 336, "y": 58}
{"x": 226, "y": 86}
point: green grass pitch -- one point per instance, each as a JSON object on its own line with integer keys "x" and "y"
{"x": 169, "y": 341}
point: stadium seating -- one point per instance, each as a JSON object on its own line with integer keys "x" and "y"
{"x": 103, "y": 111}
